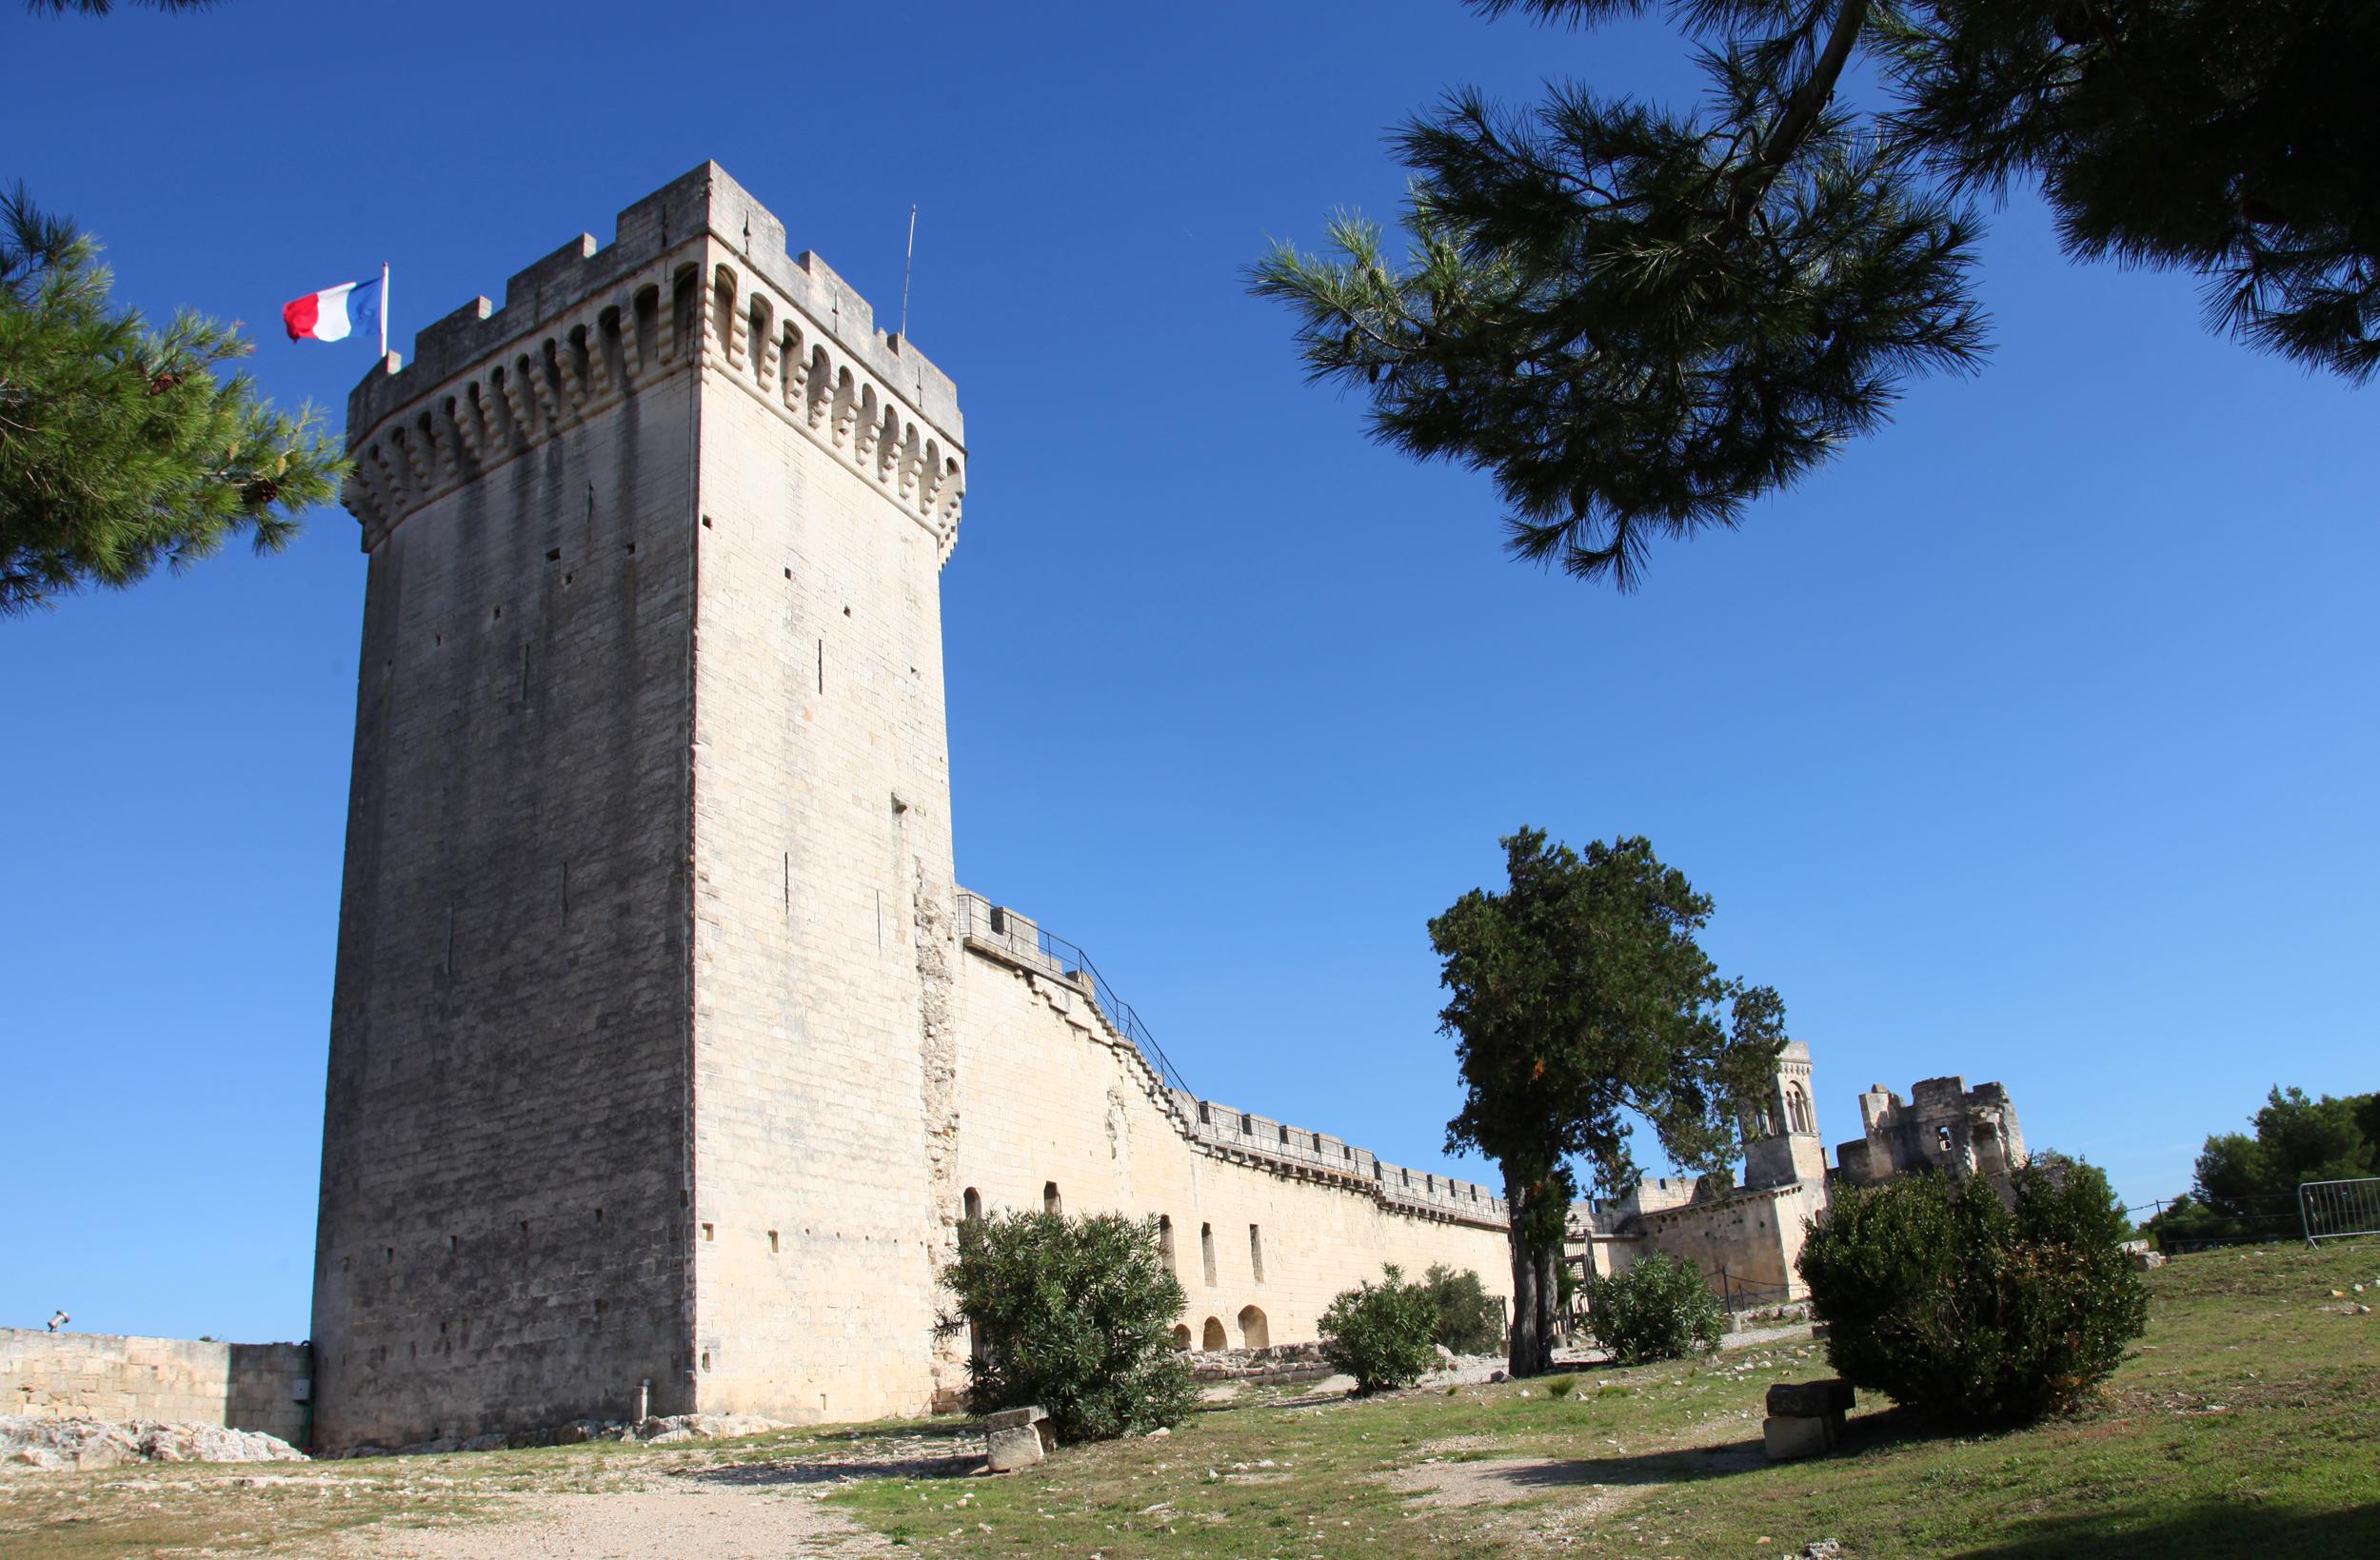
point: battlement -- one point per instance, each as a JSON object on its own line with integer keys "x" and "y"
{"x": 697, "y": 274}
{"x": 1301, "y": 1151}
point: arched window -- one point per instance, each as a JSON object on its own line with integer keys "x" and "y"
{"x": 724, "y": 308}
{"x": 1797, "y": 1115}
{"x": 1165, "y": 1248}
{"x": 1050, "y": 1201}
{"x": 1206, "y": 1250}
{"x": 971, "y": 1205}
{"x": 1255, "y": 1252}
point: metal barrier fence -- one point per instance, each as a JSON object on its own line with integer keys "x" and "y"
{"x": 2332, "y": 1210}
{"x": 2252, "y": 1218}
{"x": 1741, "y": 1294}
{"x": 978, "y": 918}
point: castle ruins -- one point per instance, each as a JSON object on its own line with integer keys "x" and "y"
{"x": 1747, "y": 1238}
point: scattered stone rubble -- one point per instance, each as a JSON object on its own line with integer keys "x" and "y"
{"x": 1281, "y": 1364}
{"x": 27, "y": 1443}
{"x": 654, "y": 1432}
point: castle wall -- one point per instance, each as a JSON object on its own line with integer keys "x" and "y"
{"x": 1049, "y": 1094}
{"x": 1749, "y": 1239}
{"x": 821, "y": 830}
{"x": 95, "y": 1375}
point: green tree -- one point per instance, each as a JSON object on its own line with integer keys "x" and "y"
{"x": 101, "y": 7}
{"x": 1637, "y": 321}
{"x": 2246, "y": 1183}
{"x": 1074, "y": 1316}
{"x": 1578, "y": 995}
{"x": 122, "y": 448}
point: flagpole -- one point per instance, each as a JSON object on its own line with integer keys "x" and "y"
{"x": 384, "y": 309}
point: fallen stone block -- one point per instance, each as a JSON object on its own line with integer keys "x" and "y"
{"x": 1811, "y": 1399}
{"x": 1006, "y": 1451}
{"x": 2146, "y": 1261}
{"x": 1015, "y": 1418}
{"x": 1788, "y": 1437}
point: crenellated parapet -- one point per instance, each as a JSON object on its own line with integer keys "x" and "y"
{"x": 697, "y": 277}
{"x": 1212, "y": 1127}
{"x": 1241, "y": 1135}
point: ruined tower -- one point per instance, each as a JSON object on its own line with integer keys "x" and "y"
{"x": 641, "y": 1067}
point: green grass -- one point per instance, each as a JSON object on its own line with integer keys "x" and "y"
{"x": 2246, "y": 1423}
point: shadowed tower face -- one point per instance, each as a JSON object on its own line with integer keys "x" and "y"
{"x": 642, "y": 1067}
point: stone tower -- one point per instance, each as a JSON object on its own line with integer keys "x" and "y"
{"x": 641, "y": 1066}
{"x": 1784, "y": 1147}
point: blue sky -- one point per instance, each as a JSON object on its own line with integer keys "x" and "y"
{"x": 2031, "y": 740}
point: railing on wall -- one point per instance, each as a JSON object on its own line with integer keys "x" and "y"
{"x": 2333, "y": 1210}
{"x": 980, "y": 919}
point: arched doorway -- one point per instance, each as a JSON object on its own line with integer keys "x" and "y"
{"x": 1213, "y": 1339}
{"x": 1182, "y": 1336}
{"x": 1254, "y": 1331}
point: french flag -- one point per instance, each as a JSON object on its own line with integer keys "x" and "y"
{"x": 335, "y": 313}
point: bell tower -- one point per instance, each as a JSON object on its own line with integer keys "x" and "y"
{"x": 1783, "y": 1147}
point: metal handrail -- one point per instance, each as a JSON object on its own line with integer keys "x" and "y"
{"x": 1073, "y": 964}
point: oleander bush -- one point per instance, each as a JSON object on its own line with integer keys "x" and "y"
{"x": 1469, "y": 1320}
{"x": 1659, "y": 1307}
{"x": 1074, "y": 1314}
{"x": 1383, "y": 1334}
{"x": 1949, "y": 1299}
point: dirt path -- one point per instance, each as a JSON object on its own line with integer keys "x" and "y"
{"x": 716, "y": 1521}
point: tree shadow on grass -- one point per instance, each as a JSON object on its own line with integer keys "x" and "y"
{"x": 2204, "y": 1529}
{"x": 799, "y": 1472}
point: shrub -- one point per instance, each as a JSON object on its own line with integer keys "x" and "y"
{"x": 1659, "y": 1309}
{"x": 1469, "y": 1320}
{"x": 1074, "y": 1314}
{"x": 1381, "y": 1334}
{"x": 1944, "y": 1298}
{"x": 1560, "y": 1386}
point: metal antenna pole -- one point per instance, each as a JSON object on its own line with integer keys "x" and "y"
{"x": 908, "y": 261}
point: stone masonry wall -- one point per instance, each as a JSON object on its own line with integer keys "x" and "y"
{"x": 504, "y": 1220}
{"x": 822, "y": 816}
{"x": 262, "y": 1386}
{"x": 1050, "y": 1097}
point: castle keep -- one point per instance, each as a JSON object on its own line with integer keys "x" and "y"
{"x": 665, "y": 1052}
